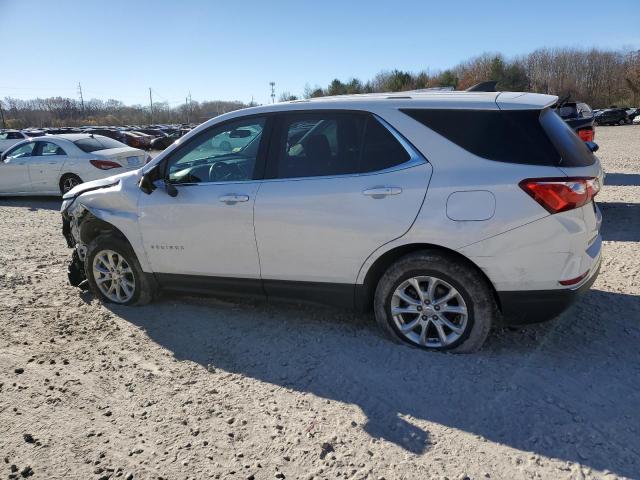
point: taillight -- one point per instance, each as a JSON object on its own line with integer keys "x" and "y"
{"x": 561, "y": 194}
{"x": 104, "y": 164}
{"x": 586, "y": 134}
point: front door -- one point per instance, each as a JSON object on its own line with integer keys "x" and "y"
{"x": 14, "y": 170}
{"x": 203, "y": 238}
{"x": 341, "y": 186}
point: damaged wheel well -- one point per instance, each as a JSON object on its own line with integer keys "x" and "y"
{"x": 91, "y": 226}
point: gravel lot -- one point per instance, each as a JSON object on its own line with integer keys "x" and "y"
{"x": 200, "y": 388}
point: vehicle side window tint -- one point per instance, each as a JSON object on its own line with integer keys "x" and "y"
{"x": 224, "y": 153}
{"x": 514, "y": 136}
{"x": 22, "y": 151}
{"x": 328, "y": 143}
{"x": 381, "y": 149}
{"x": 319, "y": 144}
{"x": 15, "y": 136}
{"x": 48, "y": 148}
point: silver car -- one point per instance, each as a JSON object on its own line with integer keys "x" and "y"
{"x": 446, "y": 213}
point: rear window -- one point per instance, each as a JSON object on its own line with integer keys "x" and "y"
{"x": 93, "y": 144}
{"x": 572, "y": 150}
{"x": 512, "y": 136}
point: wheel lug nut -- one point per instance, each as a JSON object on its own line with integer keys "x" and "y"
{"x": 419, "y": 308}
{"x": 426, "y": 302}
{"x": 435, "y": 317}
{"x": 424, "y": 317}
{"x": 436, "y": 308}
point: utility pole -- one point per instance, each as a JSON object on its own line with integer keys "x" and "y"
{"x": 4, "y": 125}
{"x": 150, "y": 107}
{"x": 81, "y": 98}
{"x": 273, "y": 92}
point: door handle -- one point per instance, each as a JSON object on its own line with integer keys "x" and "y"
{"x": 52, "y": 163}
{"x": 234, "y": 198}
{"x": 380, "y": 192}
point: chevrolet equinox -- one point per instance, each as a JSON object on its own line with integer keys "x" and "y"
{"x": 446, "y": 213}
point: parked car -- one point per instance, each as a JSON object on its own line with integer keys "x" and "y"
{"x": 579, "y": 117}
{"x": 632, "y": 113}
{"x": 445, "y": 213}
{"x": 160, "y": 143}
{"x": 8, "y": 138}
{"x": 611, "y": 116}
{"x": 53, "y": 165}
{"x": 136, "y": 140}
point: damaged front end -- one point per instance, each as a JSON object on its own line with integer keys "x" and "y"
{"x": 74, "y": 216}
{"x": 71, "y": 230}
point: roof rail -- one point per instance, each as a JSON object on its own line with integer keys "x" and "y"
{"x": 488, "y": 86}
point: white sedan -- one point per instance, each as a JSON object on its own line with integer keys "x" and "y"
{"x": 54, "y": 164}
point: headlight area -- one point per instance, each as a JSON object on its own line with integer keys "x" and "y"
{"x": 71, "y": 220}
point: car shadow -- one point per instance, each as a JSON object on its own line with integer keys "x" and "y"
{"x": 622, "y": 179}
{"x": 619, "y": 221}
{"x": 33, "y": 203}
{"x": 566, "y": 389}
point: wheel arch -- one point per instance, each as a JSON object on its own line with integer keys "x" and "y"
{"x": 92, "y": 226}
{"x": 365, "y": 291}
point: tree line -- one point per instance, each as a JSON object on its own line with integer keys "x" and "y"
{"x": 601, "y": 78}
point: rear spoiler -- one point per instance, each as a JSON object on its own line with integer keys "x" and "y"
{"x": 488, "y": 86}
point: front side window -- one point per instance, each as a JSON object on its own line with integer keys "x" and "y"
{"x": 224, "y": 153}
{"x": 335, "y": 143}
{"x": 22, "y": 151}
{"x": 48, "y": 149}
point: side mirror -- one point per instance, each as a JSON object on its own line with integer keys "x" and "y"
{"x": 146, "y": 184}
{"x": 592, "y": 146}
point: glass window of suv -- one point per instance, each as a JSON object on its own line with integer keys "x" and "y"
{"x": 334, "y": 143}
{"x": 223, "y": 153}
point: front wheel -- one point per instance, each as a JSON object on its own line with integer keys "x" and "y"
{"x": 114, "y": 274}
{"x": 434, "y": 301}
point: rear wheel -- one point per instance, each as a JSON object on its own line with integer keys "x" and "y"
{"x": 434, "y": 301}
{"x": 68, "y": 181}
{"x": 114, "y": 274}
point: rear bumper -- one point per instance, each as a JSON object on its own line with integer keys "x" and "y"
{"x": 533, "y": 306}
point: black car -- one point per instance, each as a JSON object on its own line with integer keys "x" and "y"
{"x": 612, "y": 116}
{"x": 579, "y": 117}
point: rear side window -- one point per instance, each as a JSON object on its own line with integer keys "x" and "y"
{"x": 572, "y": 150}
{"x": 314, "y": 144}
{"x": 514, "y": 136}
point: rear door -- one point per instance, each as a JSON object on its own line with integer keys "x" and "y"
{"x": 339, "y": 185}
{"x": 45, "y": 165}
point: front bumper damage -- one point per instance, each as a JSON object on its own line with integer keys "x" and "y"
{"x": 71, "y": 233}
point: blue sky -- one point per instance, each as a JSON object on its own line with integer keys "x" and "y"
{"x": 232, "y": 50}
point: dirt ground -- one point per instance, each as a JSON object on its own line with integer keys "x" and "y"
{"x": 202, "y": 388}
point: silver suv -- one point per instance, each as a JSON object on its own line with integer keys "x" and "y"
{"x": 446, "y": 213}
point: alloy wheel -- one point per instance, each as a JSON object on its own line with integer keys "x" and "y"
{"x": 114, "y": 276}
{"x": 429, "y": 311}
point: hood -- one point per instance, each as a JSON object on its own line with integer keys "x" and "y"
{"x": 95, "y": 184}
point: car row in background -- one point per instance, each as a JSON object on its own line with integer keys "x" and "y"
{"x": 616, "y": 116}
{"x": 149, "y": 137}
{"x": 54, "y": 164}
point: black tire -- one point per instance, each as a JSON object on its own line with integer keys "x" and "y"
{"x": 144, "y": 288}
{"x": 481, "y": 307}
{"x": 68, "y": 181}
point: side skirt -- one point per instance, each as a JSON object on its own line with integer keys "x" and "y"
{"x": 335, "y": 294}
